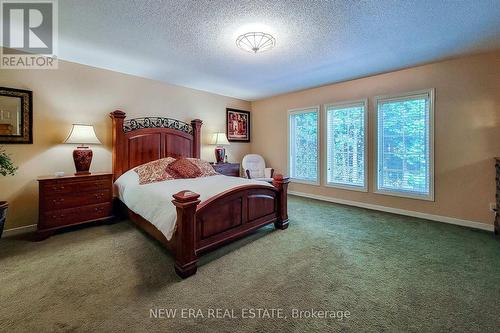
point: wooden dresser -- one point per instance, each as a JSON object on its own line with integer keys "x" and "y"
{"x": 497, "y": 213}
{"x": 71, "y": 200}
{"x": 228, "y": 169}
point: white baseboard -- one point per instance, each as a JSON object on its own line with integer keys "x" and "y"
{"x": 19, "y": 230}
{"x": 438, "y": 218}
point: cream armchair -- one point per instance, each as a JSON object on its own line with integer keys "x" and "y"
{"x": 255, "y": 168}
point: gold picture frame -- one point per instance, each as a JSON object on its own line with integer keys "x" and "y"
{"x": 16, "y": 116}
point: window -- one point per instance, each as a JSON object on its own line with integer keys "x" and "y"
{"x": 303, "y": 153}
{"x": 405, "y": 145}
{"x": 346, "y": 145}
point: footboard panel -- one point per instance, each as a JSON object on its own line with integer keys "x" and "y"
{"x": 222, "y": 216}
{"x": 261, "y": 204}
{"x": 233, "y": 214}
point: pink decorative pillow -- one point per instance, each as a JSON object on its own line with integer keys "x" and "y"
{"x": 183, "y": 168}
{"x": 205, "y": 168}
{"x": 155, "y": 171}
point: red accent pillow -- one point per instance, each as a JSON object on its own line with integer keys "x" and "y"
{"x": 183, "y": 168}
{"x": 204, "y": 166}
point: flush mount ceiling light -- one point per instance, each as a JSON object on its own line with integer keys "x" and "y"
{"x": 255, "y": 42}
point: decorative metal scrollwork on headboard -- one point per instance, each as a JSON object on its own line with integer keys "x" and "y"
{"x": 156, "y": 122}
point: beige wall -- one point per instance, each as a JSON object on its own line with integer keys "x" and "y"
{"x": 467, "y": 132}
{"x": 82, "y": 94}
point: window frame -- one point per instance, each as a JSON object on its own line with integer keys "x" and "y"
{"x": 430, "y": 94}
{"x": 315, "y": 108}
{"x": 346, "y": 104}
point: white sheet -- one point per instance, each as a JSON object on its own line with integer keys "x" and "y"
{"x": 154, "y": 201}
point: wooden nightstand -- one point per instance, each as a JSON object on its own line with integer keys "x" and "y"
{"x": 72, "y": 200}
{"x": 228, "y": 169}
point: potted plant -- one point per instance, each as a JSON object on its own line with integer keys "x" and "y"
{"x": 6, "y": 168}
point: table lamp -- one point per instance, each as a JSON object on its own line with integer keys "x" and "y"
{"x": 220, "y": 139}
{"x": 83, "y": 135}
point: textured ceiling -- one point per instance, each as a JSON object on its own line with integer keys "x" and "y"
{"x": 192, "y": 43}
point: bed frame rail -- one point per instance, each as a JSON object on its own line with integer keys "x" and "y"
{"x": 225, "y": 217}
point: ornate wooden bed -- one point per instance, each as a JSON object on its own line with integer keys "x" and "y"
{"x": 200, "y": 227}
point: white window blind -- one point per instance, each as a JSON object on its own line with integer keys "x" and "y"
{"x": 303, "y": 145}
{"x": 404, "y": 138}
{"x": 346, "y": 145}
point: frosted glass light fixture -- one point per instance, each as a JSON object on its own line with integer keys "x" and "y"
{"x": 255, "y": 42}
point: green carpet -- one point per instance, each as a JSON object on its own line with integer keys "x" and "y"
{"x": 392, "y": 273}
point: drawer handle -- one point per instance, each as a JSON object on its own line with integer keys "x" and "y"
{"x": 58, "y": 201}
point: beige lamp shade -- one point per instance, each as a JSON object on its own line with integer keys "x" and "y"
{"x": 220, "y": 139}
{"x": 82, "y": 134}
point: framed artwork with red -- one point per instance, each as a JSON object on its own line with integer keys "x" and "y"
{"x": 237, "y": 125}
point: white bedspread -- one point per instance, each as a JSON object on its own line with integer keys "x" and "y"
{"x": 154, "y": 201}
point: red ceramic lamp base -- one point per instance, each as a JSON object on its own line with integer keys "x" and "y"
{"x": 220, "y": 152}
{"x": 82, "y": 156}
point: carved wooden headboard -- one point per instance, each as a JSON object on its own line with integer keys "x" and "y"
{"x": 141, "y": 140}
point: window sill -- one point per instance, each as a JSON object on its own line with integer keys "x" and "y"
{"x": 305, "y": 182}
{"x": 429, "y": 197}
{"x": 346, "y": 187}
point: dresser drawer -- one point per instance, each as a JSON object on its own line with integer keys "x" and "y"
{"x": 64, "y": 186}
{"x": 70, "y": 216}
{"x": 55, "y": 201}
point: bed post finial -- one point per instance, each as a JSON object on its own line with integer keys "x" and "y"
{"x": 117, "y": 114}
{"x": 196, "y": 124}
{"x": 185, "y": 252}
{"x": 281, "y": 183}
{"x": 118, "y": 138}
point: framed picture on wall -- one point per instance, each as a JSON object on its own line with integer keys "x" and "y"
{"x": 237, "y": 125}
{"x": 16, "y": 116}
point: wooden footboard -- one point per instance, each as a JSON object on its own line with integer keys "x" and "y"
{"x": 223, "y": 218}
